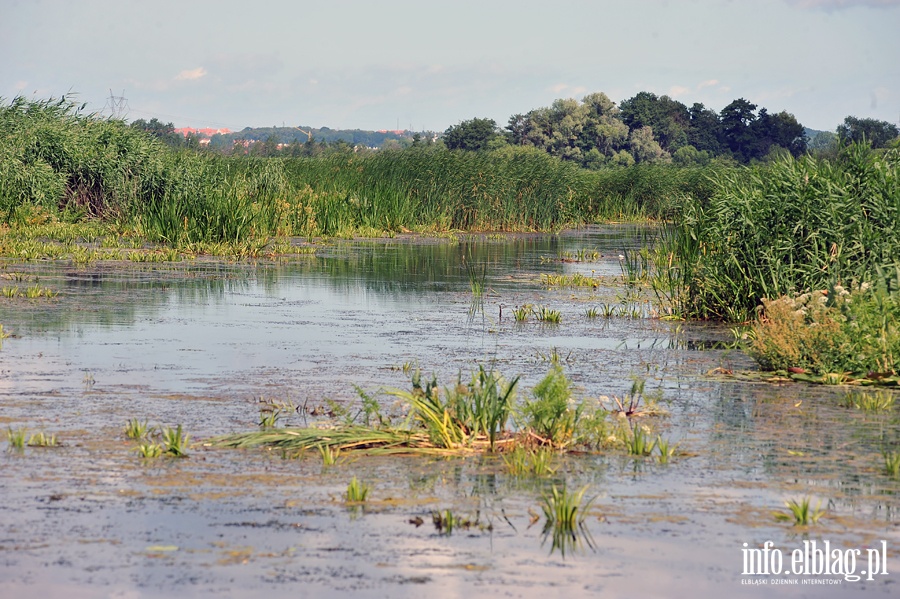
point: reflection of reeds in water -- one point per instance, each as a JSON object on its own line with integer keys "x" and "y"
{"x": 564, "y": 514}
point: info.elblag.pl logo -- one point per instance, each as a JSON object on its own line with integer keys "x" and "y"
{"x": 771, "y": 565}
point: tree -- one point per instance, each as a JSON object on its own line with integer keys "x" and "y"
{"x": 877, "y": 133}
{"x": 473, "y": 134}
{"x": 735, "y": 131}
{"x": 165, "y": 132}
{"x": 645, "y": 148}
{"x": 668, "y": 118}
{"x": 704, "y": 129}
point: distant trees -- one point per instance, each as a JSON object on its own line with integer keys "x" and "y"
{"x": 654, "y": 129}
{"x": 877, "y": 133}
{"x": 475, "y": 134}
{"x": 165, "y": 132}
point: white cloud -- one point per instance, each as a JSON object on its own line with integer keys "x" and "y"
{"x": 708, "y": 83}
{"x": 191, "y": 74}
{"x": 678, "y": 90}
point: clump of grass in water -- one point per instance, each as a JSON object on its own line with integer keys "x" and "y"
{"x": 875, "y": 401}
{"x": 17, "y": 438}
{"x": 41, "y": 439}
{"x": 269, "y": 416}
{"x": 523, "y": 312}
{"x": 476, "y": 276}
{"x": 357, "y": 492}
{"x": 149, "y": 449}
{"x": 329, "y": 455}
{"x": 175, "y": 442}
{"x": 135, "y": 429}
{"x": 545, "y": 314}
{"x": 891, "y": 463}
{"x": 639, "y": 442}
{"x": 800, "y": 512}
{"x": 564, "y": 514}
{"x": 536, "y": 461}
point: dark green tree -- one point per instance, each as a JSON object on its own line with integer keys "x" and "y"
{"x": 704, "y": 130}
{"x": 669, "y": 119}
{"x": 735, "y": 134}
{"x": 165, "y": 132}
{"x": 473, "y": 134}
{"x": 877, "y": 133}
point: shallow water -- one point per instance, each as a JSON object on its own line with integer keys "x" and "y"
{"x": 203, "y": 343}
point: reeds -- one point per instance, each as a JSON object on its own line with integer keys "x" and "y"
{"x": 801, "y": 512}
{"x": 564, "y": 514}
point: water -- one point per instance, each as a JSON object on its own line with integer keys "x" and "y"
{"x": 205, "y": 344}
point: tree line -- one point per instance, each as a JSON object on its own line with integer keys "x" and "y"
{"x": 595, "y": 132}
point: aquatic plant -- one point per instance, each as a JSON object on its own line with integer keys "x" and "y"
{"x": 592, "y": 312}
{"x": 149, "y": 449}
{"x": 174, "y": 441}
{"x": 891, "y": 463}
{"x": 545, "y": 314}
{"x": 357, "y": 492}
{"x": 550, "y": 415}
{"x": 269, "y": 416}
{"x": 869, "y": 401}
{"x": 564, "y": 514}
{"x": 666, "y": 449}
{"x": 639, "y": 442}
{"x": 329, "y": 454}
{"x": 533, "y": 461}
{"x": 784, "y": 228}
{"x": 800, "y": 512}
{"x": 41, "y": 439}
{"x": 135, "y": 429}
{"x": 522, "y": 313}
{"x": 476, "y": 275}
{"x": 17, "y": 438}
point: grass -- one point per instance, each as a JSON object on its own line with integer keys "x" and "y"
{"x": 639, "y": 442}
{"x": 891, "y": 463}
{"x": 800, "y": 512}
{"x": 782, "y": 229}
{"x": 149, "y": 449}
{"x": 135, "y": 429}
{"x": 532, "y": 461}
{"x": 869, "y": 401}
{"x": 329, "y": 454}
{"x": 41, "y": 439}
{"x": 548, "y": 315}
{"x": 357, "y": 492}
{"x": 564, "y": 514}
{"x": 17, "y": 438}
{"x": 174, "y": 441}
{"x": 521, "y": 313}
{"x": 550, "y": 416}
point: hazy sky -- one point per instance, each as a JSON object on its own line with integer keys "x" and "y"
{"x": 428, "y": 65}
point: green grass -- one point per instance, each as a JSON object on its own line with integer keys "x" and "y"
{"x": 175, "y": 442}
{"x": 135, "y": 429}
{"x": 548, "y": 315}
{"x": 17, "y": 438}
{"x": 891, "y": 463}
{"x": 564, "y": 514}
{"x": 783, "y": 228}
{"x": 800, "y": 512}
{"x": 533, "y": 461}
{"x": 357, "y": 492}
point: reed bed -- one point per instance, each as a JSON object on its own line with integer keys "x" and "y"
{"x": 60, "y": 165}
{"x": 788, "y": 227}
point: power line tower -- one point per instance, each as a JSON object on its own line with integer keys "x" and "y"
{"x": 118, "y": 105}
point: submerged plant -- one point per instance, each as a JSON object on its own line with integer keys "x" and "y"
{"x": 175, "y": 442}
{"x": 800, "y": 512}
{"x": 357, "y": 492}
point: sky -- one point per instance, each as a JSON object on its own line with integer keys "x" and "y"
{"x": 427, "y": 65}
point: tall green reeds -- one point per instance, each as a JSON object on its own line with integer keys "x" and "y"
{"x": 786, "y": 227}
{"x": 57, "y": 161}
